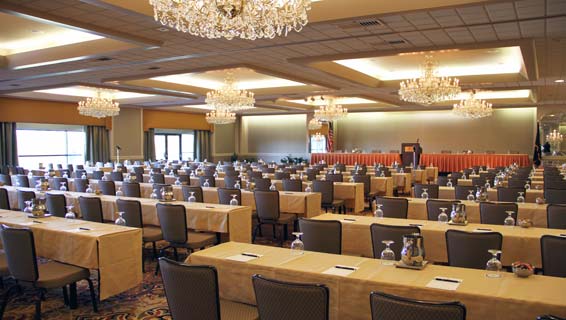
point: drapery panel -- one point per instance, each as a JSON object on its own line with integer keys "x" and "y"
{"x": 97, "y": 144}
{"x": 8, "y": 140}
{"x": 149, "y": 144}
{"x": 202, "y": 145}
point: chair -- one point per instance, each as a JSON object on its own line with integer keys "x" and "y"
{"x": 394, "y": 207}
{"x": 433, "y": 208}
{"x": 553, "y": 258}
{"x": 116, "y": 176}
{"x": 91, "y": 209}
{"x": 35, "y": 180}
{"x": 56, "y": 204}
{"x": 197, "y": 192}
{"x": 334, "y": 177}
{"x": 509, "y": 194}
{"x": 470, "y": 249}
{"x": 455, "y": 176}
{"x": 462, "y": 192}
{"x": 192, "y": 293}
{"x": 211, "y": 180}
{"x": 282, "y": 175}
{"x": 132, "y": 213}
{"x": 340, "y": 167}
{"x": 173, "y": 221}
{"x": 442, "y": 181}
{"x": 279, "y": 300}
{"x": 107, "y": 187}
{"x": 555, "y": 196}
{"x": 326, "y": 188}
{"x": 432, "y": 190}
{"x": 267, "y": 170}
{"x": 381, "y": 232}
{"x": 478, "y": 182}
{"x": 267, "y": 208}
{"x": 98, "y": 174}
{"x": 230, "y": 181}
{"x": 24, "y": 196}
{"x": 366, "y": 180}
{"x": 158, "y": 178}
{"x": 80, "y": 185}
{"x": 292, "y": 185}
{"x": 389, "y": 307}
{"x": 321, "y": 235}
{"x": 556, "y": 216}
{"x": 225, "y": 195}
{"x": 5, "y": 179}
{"x": 516, "y": 183}
{"x": 131, "y": 189}
{"x": 21, "y": 181}
{"x": 21, "y": 258}
{"x": 262, "y": 184}
{"x": 4, "y": 200}
{"x": 56, "y": 183}
{"x": 496, "y": 212}
{"x": 254, "y": 175}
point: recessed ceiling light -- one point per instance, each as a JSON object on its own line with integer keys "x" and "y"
{"x": 559, "y": 81}
{"x": 551, "y": 115}
{"x": 162, "y": 29}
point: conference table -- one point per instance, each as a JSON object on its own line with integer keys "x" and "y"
{"x": 115, "y": 251}
{"x": 519, "y": 244}
{"x": 468, "y": 182}
{"x": 530, "y": 195}
{"x": 485, "y": 298}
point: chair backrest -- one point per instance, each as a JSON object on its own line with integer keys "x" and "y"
{"x": 556, "y": 183}
{"x": 516, "y": 183}
{"x": 80, "y": 184}
{"x": 321, "y": 235}
{"x": 462, "y": 192}
{"x": 262, "y": 184}
{"x": 132, "y": 212}
{"x": 432, "y": 190}
{"x": 494, "y": 212}
{"x": 556, "y": 216}
{"x": 365, "y": 179}
{"x": 19, "y": 247}
{"x": 56, "y": 204}
{"x": 55, "y": 183}
{"x": 334, "y": 177}
{"x": 173, "y": 221}
{"x": 91, "y": 209}
{"x": 267, "y": 205}
{"x": 24, "y": 196}
{"x": 553, "y": 258}
{"x": 282, "y": 175}
{"x": 381, "y": 232}
{"x": 292, "y": 185}
{"x": 108, "y": 188}
{"x": 230, "y": 181}
{"x": 394, "y": 207}
{"x": 455, "y": 176}
{"x": 159, "y": 178}
{"x": 139, "y": 170}
{"x": 433, "y": 208}
{"x": 116, "y": 176}
{"x": 225, "y": 195}
{"x": 442, "y": 181}
{"x": 285, "y": 300}
{"x": 326, "y": 189}
{"x": 470, "y": 249}
{"x": 210, "y": 178}
{"x": 5, "y": 179}
{"x": 131, "y": 189}
{"x": 22, "y": 180}
{"x": 509, "y": 194}
{"x": 98, "y": 174}
{"x": 478, "y": 182}
{"x": 196, "y": 189}
{"x": 388, "y": 307}
{"x": 555, "y": 196}
{"x": 254, "y": 174}
{"x": 4, "y": 200}
{"x": 340, "y": 167}
{"x": 191, "y": 290}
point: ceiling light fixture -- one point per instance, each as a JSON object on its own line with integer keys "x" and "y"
{"x": 220, "y": 116}
{"x": 245, "y": 19}
{"x": 314, "y": 124}
{"x": 473, "y": 108}
{"x": 99, "y": 106}
{"x": 429, "y": 88}
{"x": 559, "y": 81}
{"x": 331, "y": 111}
{"x": 229, "y": 97}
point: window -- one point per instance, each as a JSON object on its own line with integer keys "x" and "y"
{"x": 50, "y": 144}
{"x": 318, "y": 144}
{"x": 174, "y": 146}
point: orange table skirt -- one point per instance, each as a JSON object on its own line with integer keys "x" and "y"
{"x": 351, "y": 158}
{"x": 458, "y": 162}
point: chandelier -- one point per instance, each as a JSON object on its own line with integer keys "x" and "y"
{"x": 317, "y": 137}
{"x": 314, "y": 124}
{"x": 330, "y": 112}
{"x": 220, "y": 116}
{"x": 245, "y": 19}
{"x": 554, "y": 136}
{"x": 429, "y": 88}
{"x": 99, "y": 106}
{"x": 473, "y": 108}
{"x": 229, "y": 97}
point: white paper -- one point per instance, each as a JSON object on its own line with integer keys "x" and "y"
{"x": 26, "y": 224}
{"x": 481, "y": 230}
{"x": 241, "y": 258}
{"x": 339, "y": 271}
{"x": 347, "y": 221}
{"x": 444, "y": 285}
{"x": 76, "y": 230}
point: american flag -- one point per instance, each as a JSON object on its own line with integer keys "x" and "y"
{"x": 330, "y": 138}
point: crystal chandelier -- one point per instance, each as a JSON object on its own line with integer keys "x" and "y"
{"x": 229, "y": 97}
{"x": 99, "y": 106}
{"x": 220, "y": 116}
{"x": 317, "y": 137}
{"x": 330, "y": 112}
{"x": 429, "y": 88}
{"x": 554, "y": 136}
{"x": 314, "y": 124}
{"x": 245, "y": 19}
{"x": 473, "y": 108}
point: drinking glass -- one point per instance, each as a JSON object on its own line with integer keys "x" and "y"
{"x": 28, "y": 209}
{"x": 527, "y": 186}
{"x": 471, "y": 195}
{"x": 237, "y": 185}
{"x": 120, "y": 221}
{"x": 382, "y": 174}
{"x": 104, "y": 177}
{"x": 509, "y": 220}
{"x": 487, "y": 185}
{"x": 272, "y": 187}
{"x": 424, "y": 195}
{"x": 352, "y": 178}
{"x": 153, "y": 194}
{"x": 119, "y": 193}
{"x": 297, "y": 246}
{"x": 234, "y": 201}
{"x": 308, "y": 188}
{"x": 215, "y": 175}
{"x": 83, "y": 176}
{"x": 151, "y": 179}
{"x": 378, "y": 213}
{"x": 443, "y": 217}
{"x": 65, "y": 175}
{"x": 493, "y": 265}
{"x": 63, "y": 186}
{"x": 70, "y": 214}
{"x": 387, "y": 254}
{"x": 449, "y": 183}
{"x": 178, "y": 181}
{"x": 89, "y": 189}
{"x": 521, "y": 198}
{"x": 192, "y": 197}
{"x": 206, "y": 184}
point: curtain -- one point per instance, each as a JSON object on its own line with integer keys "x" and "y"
{"x": 9, "y": 150}
{"x": 97, "y": 144}
{"x": 149, "y": 145}
{"x": 202, "y": 145}
{"x": 330, "y": 138}
{"x": 537, "y": 154}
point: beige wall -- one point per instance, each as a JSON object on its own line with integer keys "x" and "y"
{"x": 224, "y": 141}
{"x": 507, "y": 130}
{"x": 127, "y": 132}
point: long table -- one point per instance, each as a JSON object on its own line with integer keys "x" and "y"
{"x": 519, "y": 244}
{"x": 530, "y": 195}
{"x": 115, "y": 251}
{"x": 502, "y": 298}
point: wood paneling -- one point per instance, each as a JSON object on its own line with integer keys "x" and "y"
{"x": 174, "y": 120}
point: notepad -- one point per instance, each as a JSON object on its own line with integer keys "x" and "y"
{"x": 244, "y": 257}
{"x": 444, "y": 283}
{"x": 482, "y": 230}
{"x": 339, "y": 270}
{"x": 348, "y": 220}
{"x": 77, "y": 230}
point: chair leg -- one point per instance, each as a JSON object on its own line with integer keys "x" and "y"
{"x": 65, "y": 295}
{"x": 281, "y": 239}
{"x": 273, "y": 227}
{"x": 154, "y": 245}
{"x": 285, "y": 231}
{"x": 92, "y": 295}
{"x": 259, "y": 223}
{"x": 38, "y": 305}
{"x": 175, "y": 254}
{"x": 254, "y": 233}
{"x": 73, "y": 295}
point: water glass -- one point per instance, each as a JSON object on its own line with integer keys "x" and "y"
{"x": 192, "y": 197}
{"x": 378, "y": 213}
{"x": 424, "y": 194}
{"x": 521, "y": 198}
{"x": 297, "y": 246}
{"x": 387, "y": 255}
{"x": 119, "y": 193}
{"x": 443, "y": 217}
{"x": 70, "y": 214}
{"x": 272, "y": 187}
{"x": 120, "y": 221}
{"x": 509, "y": 220}
{"x": 234, "y": 201}
{"x": 493, "y": 265}
{"x": 63, "y": 186}
{"x": 154, "y": 195}
{"x": 178, "y": 181}
{"x": 471, "y": 195}
{"x": 89, "y": 189}
{"x": 449, "y": 183}
{"x": 206, "y": 184}
{"x": 308, "y": 188}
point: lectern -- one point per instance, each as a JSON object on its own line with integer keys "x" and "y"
{"x": 410, "y": 153}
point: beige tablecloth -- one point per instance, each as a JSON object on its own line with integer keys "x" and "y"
{"x": 530, "y": 196}
{"x": 115, "y": 251}
{"x": 508, "y": 297}
{"x": 402, "y": 179}
{"x": 468, "y": 182}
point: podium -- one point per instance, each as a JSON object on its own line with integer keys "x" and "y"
{"x": 410, "y": 153}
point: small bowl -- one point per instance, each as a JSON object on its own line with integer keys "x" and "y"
{"x": 525, "y": 223}
{"x": 521, "y": 272}
{"x": 540, "y": 200}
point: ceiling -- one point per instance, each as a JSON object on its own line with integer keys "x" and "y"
{"x": 357, "y": 49}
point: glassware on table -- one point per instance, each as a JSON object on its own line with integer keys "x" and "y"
{"x": 272, "y": 187}
{"x": 120, "y": 221}
{"x": 493, "y": 265}
{"x": 234, "y": 200}
{"x": 487, "y": 185}
{"x": 509, "y": 220}
{"x": 449, "y": 183}
{"x": 89, "y": 189}
{"x": 237, "y": 185}
{"x": 63, "y": 186}
{"x": 153, "y": 194}
{"x": 424, "y": 194}
{"x": 178, "y": 181}
{"x": 352, "y": 178}
{"x": 297, "y": 246}
{"x": 119, "y": 193}
{"x": 151, "y": 180}
{"x": 65, "y": 175}
{"x": 308, "y": 188}
{"x": 521, "y": 198}
{"x": 387, "y": 254}
{"x": 206, "y": 184}
{"x": 83, "y": 176}
{"x": 192, "y": 197}
{"x": 443, "y": 216}
{"x": 382, "y": 174}
{"x": 215, "y": 175}
{"x": 104, "y": 177}
{"x": 70, "y": 214}
{"x": 28, "y": 209}
{"x": 378, "y": 213}
{"x": 470, "y": 196}
{"x": 527, "y": 186}
{"x": 464, "y": 176}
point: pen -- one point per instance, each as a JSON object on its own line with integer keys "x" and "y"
{"x": 250, "y": 255}
{"x": 416, "y": 225}
{"x": 345, "y": 268}
{"x": 447, "y": 280}
{"x": 349, "y": 219}
{"x": 35, "y": 221}
{"x": 483, "y": 229}
{"x": 84, "y": 228}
